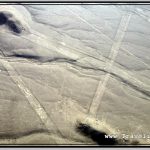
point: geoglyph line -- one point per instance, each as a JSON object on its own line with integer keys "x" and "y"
{"x": 114, "y": 51}
{"x": 131, "y": 76}
{"x": 104, "y": 35}
{"x": 136, "y": 81}
{"x": 92, "y": 26}
{"x": 35, "y": 104}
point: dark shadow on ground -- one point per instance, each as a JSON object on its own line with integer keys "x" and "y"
{"x": 101, "y": 137}
{"x": 95, "y": 135}
{"x": 3, "y": 18}
{"x": 13, "y": 24}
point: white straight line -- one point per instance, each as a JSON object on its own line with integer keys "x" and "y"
{"x": 92, "y": 26}
{"x": 114, "y": 51}
{"x": 30, "y": 97}
{"x": 102, "y": 34}
{"x": 110, "y": 40}
{"x": 129, "y": 76}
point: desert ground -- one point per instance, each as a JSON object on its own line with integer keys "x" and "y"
{"x": 61, "y": 65}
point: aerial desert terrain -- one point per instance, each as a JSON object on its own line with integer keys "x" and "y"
{"x": 63, "y": 66}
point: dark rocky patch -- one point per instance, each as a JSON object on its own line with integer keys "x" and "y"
{"x": 13, "y": 26}
{"x": 99, "y": 136}
{"x": 95, "y": 135}
{"x": 8, "y": 20}
{"x": 3, "y": 18}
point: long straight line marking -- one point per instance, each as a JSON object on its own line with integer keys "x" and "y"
{"x": 110, "y": 40}
{"x": 114, "y": 51}
{"x": 35, "y": 104}
{"x": 91, "y": 25}
{"x": 104, "y": 35}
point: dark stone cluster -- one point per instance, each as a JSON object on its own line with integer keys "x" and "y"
{"x": 12, "y": 24}
{"x": 95, "y": 135}
{"x": 100, "y": 136}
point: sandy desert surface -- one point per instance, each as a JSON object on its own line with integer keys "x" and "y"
{"x": 64, "y": 64}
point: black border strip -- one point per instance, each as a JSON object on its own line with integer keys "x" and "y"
{"x": 77, "y": 2}
{"x": 73, "y": 146}
{"x": 72, "y": 2}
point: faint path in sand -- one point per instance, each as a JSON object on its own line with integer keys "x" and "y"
{"x": 94, "y": 27}
{"x": 112, "y": 56}
{"x": 35, "y": 104}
